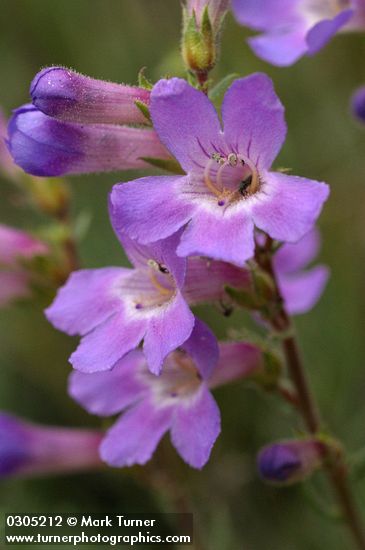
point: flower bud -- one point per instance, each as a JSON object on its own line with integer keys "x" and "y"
{"x": 358, "y": 104}
{"x": 45, "y": 146}
{"x": 288, "y": 462}
{"x": 18, "y": 249}
{"x": 202, "y": 23}
{"x": 18, "y": 245}
{"x": 28, "y": 449}
{"x": 73, "y": 97}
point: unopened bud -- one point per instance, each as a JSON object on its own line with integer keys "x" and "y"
{"x": 28, "y": 449}
{"x": 358, "y": 104}
{"x": 202, "y": 24}
{"x": 288, "y": 462}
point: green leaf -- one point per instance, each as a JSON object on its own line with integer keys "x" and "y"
{"x": 170, "y": 165}
{"x": 206, "y": 25}
{"x": 144, "y": 109}
{"x": 143, "y": 81}
{"x": 217, "y": 92}
{"x": 244, "y": 298}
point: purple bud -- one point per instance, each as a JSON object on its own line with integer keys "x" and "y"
{"x": 45, "y": 146}
{"x": 28, "y": 449}
{"x": 70, "y": 96}
{"x": 358, "y": 104}
{"x": 290, "y": 461}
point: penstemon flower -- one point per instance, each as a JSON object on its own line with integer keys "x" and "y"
{"x": 178, "y": 400}
{"x": 293, "y": 28}
{"x": 115, "y": 308}
{"x": 228, "y": 188}
{"x": 28, "y": 449}
{"x": 17, "y": 248}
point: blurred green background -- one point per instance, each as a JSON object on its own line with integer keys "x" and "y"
{"x": 113, "y": 39}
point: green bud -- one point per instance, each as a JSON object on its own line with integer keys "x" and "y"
{"x": 258, "y": 296}
{"x": 198, "y": 47}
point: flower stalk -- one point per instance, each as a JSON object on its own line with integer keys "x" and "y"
{"x": 335, "y": 461}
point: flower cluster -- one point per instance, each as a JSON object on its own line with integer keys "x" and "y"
{"x": 189, "y": 237}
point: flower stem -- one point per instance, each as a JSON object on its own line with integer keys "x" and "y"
{"x": 335, "y": 463}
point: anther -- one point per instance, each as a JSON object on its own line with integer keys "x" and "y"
{"x": 218, "y": 158}
{"x": 232, "y": 159}
{"x": 153, "y": 264}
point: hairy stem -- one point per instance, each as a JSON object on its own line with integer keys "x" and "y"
{"x": 335, "y": 464}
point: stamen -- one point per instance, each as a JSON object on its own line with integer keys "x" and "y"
{"x": 208, "y": 182}
{"x": 185, "y": 364}
{"x": 162, "y": 289}
{"x": 248, "y": 186}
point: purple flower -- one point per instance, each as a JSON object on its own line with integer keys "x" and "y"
{"x": 290, "y": 461}
{"x": 29, "y": 449}
{"x": 114, "y": 308}
{"x": 45, "y": 146}
{"x": 358, "y": 104}
{"x": 70, "y": 96}
{"x": 301, "y": 289}
{"x": 228, "y": 188}
{"x": 293, "y": 28}
{"x": 178, "y": 400}
{"x": 16, "y": 248}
